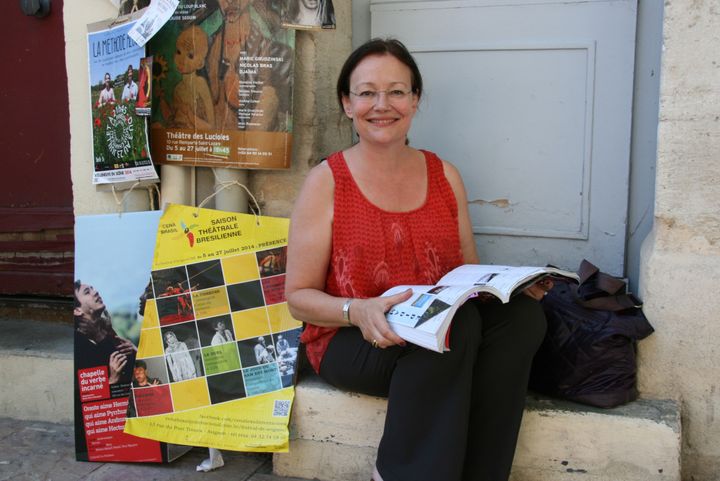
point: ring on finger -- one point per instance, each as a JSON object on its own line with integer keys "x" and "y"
{"x": 374, "y": 343}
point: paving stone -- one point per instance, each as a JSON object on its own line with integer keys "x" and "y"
{"x": 41, "y": 451}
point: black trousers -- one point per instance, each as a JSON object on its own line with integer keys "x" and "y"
{"x": 452, "y": 416}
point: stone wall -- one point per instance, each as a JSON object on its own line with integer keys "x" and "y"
{"x": 680, "y": 265}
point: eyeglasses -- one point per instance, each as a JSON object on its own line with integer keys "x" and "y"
{"x": 372, "y": 96}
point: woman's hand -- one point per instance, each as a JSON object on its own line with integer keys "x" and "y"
{"x": 369, "y": 316}
{"x": 538, "y": 290}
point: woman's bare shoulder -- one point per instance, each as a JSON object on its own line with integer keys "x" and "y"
{"x": 319, "y": 182}
{"x": 449, "y": 168}
{"x": 321, "y": 172}
{"x": 316, "y": 195}
{"x": 452, "y": 174}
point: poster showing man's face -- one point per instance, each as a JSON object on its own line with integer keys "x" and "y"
{"x": 140, "y": 376}
{"x": 149, "y": 372}
{"x": 110, "y": 282}
{"x": 88, "y": 302}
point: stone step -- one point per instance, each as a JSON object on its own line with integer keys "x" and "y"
{"x": 334, "y": 436}
{"x": 36, "y": 375}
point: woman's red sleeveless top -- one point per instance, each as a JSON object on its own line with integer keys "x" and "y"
{"x": 373, "y": 249}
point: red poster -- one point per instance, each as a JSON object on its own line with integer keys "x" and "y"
{"x": 112, "y": 270}
{"x": 104, "y": 422}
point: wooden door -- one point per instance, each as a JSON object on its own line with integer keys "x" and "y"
{"x": 36, "y": 214}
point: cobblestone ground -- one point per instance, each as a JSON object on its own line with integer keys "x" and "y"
{"x": 38, "y": 451}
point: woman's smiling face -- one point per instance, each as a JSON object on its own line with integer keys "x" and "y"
{"x": 378, "y": 115}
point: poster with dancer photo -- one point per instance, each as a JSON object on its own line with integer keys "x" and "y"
{"x": 112, "y": 268}
{"x": 223, "y": 82}
{"x": 218, "y": 342}
{"x": 121, "y": 153}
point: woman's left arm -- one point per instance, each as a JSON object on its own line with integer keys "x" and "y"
{"x": 467, "y": 240}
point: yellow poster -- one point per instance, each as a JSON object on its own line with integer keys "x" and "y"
{"x": 218, "y": 347}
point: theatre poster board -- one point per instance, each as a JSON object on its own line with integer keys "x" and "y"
{"x": 113, "y": 256}
{"x": 223, "y": 83}
{"x": 118, "y": 88}
{"x": 217, "y": 338}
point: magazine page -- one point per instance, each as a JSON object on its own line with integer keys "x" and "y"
{"x": 425, "y": 303}
{"x": 503, "y": 279}
{"x": 429, "y": 334}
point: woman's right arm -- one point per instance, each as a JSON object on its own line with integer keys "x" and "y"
{"x": 309, "y": 247}
{"x": 309, "y": 250}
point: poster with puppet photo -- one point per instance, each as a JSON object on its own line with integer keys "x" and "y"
{"x": 223, "y": 82}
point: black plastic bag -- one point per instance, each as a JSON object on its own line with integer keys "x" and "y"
{"x": 589, "y": 352}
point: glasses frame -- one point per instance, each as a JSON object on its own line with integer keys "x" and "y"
{"x": 374, "y": 96}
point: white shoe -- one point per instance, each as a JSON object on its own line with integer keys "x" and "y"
{"x": 215, "y": 461}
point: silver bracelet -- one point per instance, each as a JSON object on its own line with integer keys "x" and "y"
{"x": 346, "y": 311}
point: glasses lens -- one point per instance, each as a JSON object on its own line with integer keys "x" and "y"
{"x": 372, "y": 96}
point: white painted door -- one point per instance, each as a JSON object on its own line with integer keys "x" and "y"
{"x": 532, "y": 101}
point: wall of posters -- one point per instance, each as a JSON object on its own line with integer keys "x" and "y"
{"x": 218, "y": 344}
{"x": 112, "y": 267}
{"x": 223, "y": 85}
{"x": 119, "y": 134}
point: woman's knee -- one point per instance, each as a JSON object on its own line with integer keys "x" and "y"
{"x": 520, "y": 324}
{"x": 529, "y": 320}
{"x": 527, "y": 307}
{"x": 466, "y": 327}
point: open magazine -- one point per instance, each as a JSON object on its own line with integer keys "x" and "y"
{"x": 424, "y": 319}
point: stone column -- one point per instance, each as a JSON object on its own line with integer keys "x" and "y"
{"x": 680, "y": 261}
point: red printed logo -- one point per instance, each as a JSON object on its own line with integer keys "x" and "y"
{"x": 93, "y": 383}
